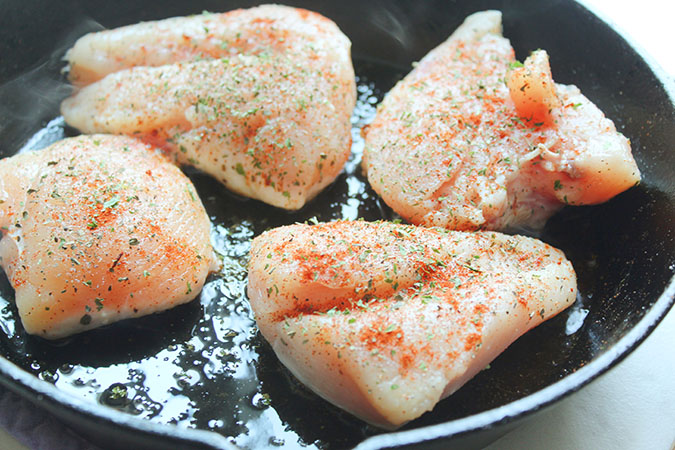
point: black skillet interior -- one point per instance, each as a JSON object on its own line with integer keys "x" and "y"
{"x": 205, "y": 366}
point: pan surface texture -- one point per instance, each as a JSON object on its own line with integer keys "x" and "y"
{"x": 201, "y": 375}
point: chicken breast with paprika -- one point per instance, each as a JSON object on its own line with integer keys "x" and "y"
{"x": 97, "y": 229}
{"x": 385, "y": 320}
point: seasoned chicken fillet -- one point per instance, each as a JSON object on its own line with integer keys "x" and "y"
{"x": 261, "y": 30}
{"x": 261, "y": 99}
{"x": 385, "y": 320}
{"x": 97, "y": 229}
{"x": 472, "y": 139}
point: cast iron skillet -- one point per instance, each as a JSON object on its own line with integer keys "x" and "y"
{"x": 204, "y": 366}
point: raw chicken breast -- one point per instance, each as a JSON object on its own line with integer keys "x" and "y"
{"x": 471, "y": 139}
{"x": 385, "y": 320}
{"x": 97, "y": 229}
{"x": 267, "y": 112}
{"x": 263, "y": 29}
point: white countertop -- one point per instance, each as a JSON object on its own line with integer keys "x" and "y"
{"x": 633, "y": 405}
